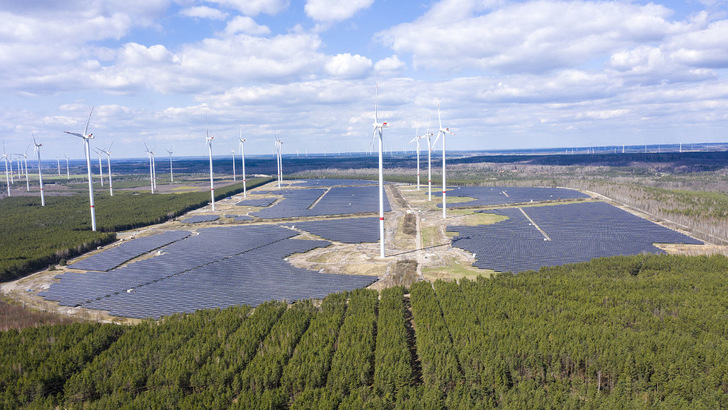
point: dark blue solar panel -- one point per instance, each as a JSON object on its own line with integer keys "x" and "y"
{"x": 579, "y": 232}
{"x": 117, "y": 255}
{"x": 332, "y": 182}
{"x": 219, "y": 267}
{"x": 261, "y": 202}
{"x": 200, "y": 218}
{"x": 486, "y": 196}
{"x": 334, "y": 201}
{"x": 349, "y": 230}
{"x": 242, "y": 218}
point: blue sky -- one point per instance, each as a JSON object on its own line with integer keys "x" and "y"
{"x": 508, "y": 74}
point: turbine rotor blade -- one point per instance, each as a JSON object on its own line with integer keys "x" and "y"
{"x": 85, "y": 132}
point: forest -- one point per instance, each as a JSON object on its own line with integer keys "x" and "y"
{"x": 637, "y": 331}
{"x": 33, "y": 237}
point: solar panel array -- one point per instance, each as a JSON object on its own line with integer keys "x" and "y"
{"x": 332, "y": 182}
{"x": 349, "y": 230}
{"x": 337, "y": 201}
{"x": 579, "y": 232}
{"x": 261, "y": 202}
{"x": 200, "y": 218}
{"x": 220, "y": 267}
{"x": 117, "y": 255}
{"x": 486, "y": 196}
{"x": 242, "y": 218}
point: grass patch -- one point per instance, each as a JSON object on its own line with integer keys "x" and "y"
{"x": 429, "y": 236}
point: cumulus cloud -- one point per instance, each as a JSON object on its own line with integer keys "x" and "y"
{"x": 254, "y": 7}
{"x": 348, "y": 66}
{"x": 329, "y": 11}
{"x": 204, "y": 12}
{"x": 389, "y": 65}
{"x": 245, "y": 25}
{"x": 534, "y": 36}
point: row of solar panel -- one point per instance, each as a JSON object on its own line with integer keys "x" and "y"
{"x": 220, "y": 267}
{"x": 349, "y": 230}
{"x": 337, "y": 201}
{"x": 117, "y": 255}
{"x": 578, "y": 232}
{"x": 487, "y": 196}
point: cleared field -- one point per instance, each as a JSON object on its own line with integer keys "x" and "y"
{"x": 568, "y": 233}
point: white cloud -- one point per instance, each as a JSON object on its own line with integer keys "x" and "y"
{"x": 329, "y": 11}
{"x": 389, "y": 65}
{"x": 245, "y": 25}
{"x": 348, "y": 66}
{"x": 535, "y": 36}
{"x": 204, "y": 12}
{"x": 254, "y": 7}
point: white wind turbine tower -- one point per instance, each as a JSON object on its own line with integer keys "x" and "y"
{"x": 7, "y": 175}
{"x": 442, "y": 132}
{"x": 242, "y": 160}
{"x": 378, "y": 127}
{"x": 108, "y": 166}
{"x": 171, "y": 172}
{"x": 429, "y": 160}
{"x": 417, "y": 139}
{"x": 86, "y": 139}
{"x": 208, "y": 141}
{"x": 40, "y": 174}
{"x": 58, "y": 164}
{"x": 152, "y": 177}
{"x": 25, "y": 161}
{"x": 68, "y": 171}
{"x": 235, "y": 178}
{"x": 279, "y": 161}
{"x": 20, "y": 165}
{"x": 101, "y": 167}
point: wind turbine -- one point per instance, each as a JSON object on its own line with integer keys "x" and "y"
{"x": 40, "y": 174}
{"x": 234, "y": 176}
{"x": 152, "y": 176}
{"x": 208, "y": 141}
{"x": 442, "y": 132}
{"x": 101, "y": 167}
{"x": 279, "y": 160}
{"x": 25, "y": 161}
{"x": 5, "y": 158}
{"x": 429, "y": 160}
{"x": 86, "y": 139}
{"x": 171, "y": 172}
{"x": 108, "y": 165}
{"x": 68, "y": 171}
{"x": 242, "y": 160}
{"x": 378, "y": 127}
{"x": 417, "y": 139}
{"x": 58, "y": 164}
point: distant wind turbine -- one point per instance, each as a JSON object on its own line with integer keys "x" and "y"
{"x": 442, "y": 132}
{"x": 235, "y": 178}
{"x": 171, "y": 172}
{"x": 58, "y": 164}
{"x": 417, "y": 139}
{"x": 242, "y": 160}
{"x": 378, "y": 127}
{"x": 68, "y": 171}
{"x": 279, "y": 160}
{"x": 40, "y": 173}
{"x": 208, "y": 141}
{"x": 101, "y": 167}
{"x": 25, "y": 161}
{"x": 108, "y": 166}
{"x": 429, "y": 160}
{"x": 86, "y": 139}
{"x": 151, "y": 167}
